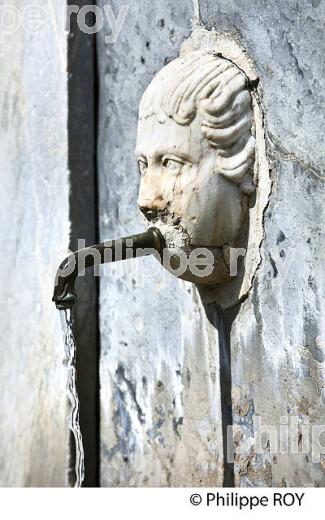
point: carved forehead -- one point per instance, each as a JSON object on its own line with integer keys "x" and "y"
{"x": 157, "y": 139}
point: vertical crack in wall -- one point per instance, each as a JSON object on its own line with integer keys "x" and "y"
{"x": 83, "y": 85}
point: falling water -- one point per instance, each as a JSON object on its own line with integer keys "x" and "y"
{"x": 73, "y": 420}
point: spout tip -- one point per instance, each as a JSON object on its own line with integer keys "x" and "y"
{"x": 64, "y": 301}
{"x": 159, "y": 240}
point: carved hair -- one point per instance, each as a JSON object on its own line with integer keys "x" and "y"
{"x": 202, "y": 83}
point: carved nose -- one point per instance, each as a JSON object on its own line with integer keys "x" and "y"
{"x": 151, "y": 204}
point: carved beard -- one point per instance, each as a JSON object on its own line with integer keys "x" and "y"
{"x": 171, "y": 227}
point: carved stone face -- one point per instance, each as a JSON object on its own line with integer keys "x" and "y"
{"x": 195, "y": 150}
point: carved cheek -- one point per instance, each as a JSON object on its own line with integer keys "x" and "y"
{"x": 207, "y": 203}
{"x": 185, "y": 185}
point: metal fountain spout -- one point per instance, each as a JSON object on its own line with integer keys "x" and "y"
{"x": 134, "y": 246}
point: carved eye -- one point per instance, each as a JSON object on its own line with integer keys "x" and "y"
{"x": 172, "y": 164}
{"x": 142, "y": 164}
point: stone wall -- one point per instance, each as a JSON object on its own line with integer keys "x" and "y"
{"x": 34, "y": 233}
{"x": 174, "y": 373}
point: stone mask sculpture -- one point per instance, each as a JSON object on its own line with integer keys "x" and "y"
{"x": 195, "y": 152}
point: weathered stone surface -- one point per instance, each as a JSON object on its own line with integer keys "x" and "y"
{"x": 277, "y": 347}
{"x": 34, "y": 231}
{"x": 277, "y": 338}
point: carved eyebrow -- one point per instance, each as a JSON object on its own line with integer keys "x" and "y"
{"x": 140, "y": 156}
{"x": 165, "y": 152}
{"x": 173, "y": 153}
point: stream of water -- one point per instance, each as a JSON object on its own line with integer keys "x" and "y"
{"x": 73, "y": 419}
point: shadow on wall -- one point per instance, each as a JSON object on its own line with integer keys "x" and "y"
{"x": 222, "y": 321}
